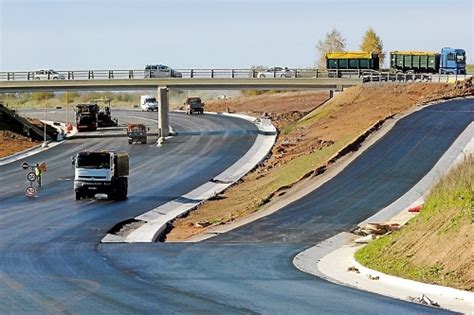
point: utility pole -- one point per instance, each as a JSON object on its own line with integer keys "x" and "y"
{"x": 45, "y": 144}
{"x": 67, "y": 108}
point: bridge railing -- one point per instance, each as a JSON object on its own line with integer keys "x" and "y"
{"x": 180, "y": 73}
{"x": 366, "y": 75}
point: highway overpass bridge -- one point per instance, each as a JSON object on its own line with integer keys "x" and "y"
{"x": 208, "y": 79}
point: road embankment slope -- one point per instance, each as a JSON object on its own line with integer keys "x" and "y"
{"x": 312, "y": 132}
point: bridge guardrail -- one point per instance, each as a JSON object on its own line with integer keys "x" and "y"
{"x": 185, "y": 73}
{"x": 366, "y": 75}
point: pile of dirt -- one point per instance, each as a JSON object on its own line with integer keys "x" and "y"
{"x": 306, "y": 142}
{"x": 11, "y": 143}
{"x": 282, "y": 108}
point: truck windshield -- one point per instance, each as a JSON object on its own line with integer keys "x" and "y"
{"x": 93, "y": 160}
{"x": 460, "y": 58}
{"x": 150, "y": 100}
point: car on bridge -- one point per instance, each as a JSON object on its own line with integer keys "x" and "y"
{"x": 48, "y": 75}
{"x": 276, "y": 72}
{"x": 161, "y": 71}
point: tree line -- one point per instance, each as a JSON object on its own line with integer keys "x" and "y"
{"x": 335, "y": 42}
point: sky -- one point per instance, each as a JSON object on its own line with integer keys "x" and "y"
{"x": 120, "y": 34}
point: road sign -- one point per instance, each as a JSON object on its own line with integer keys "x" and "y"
{"x": 30, "y": 191}
{"x": 31, "y": 176}
{"x": 25, "y": 165}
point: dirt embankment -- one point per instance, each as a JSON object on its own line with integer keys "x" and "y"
{"x": 11, "y": 143}
{"x": 306, "y": 141}
{"x": 282, "y": 108}
{"x": 437, "y": 245}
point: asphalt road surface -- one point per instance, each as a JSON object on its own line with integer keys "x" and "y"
{"x": 51, "y": 259}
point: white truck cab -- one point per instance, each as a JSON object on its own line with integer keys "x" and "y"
{"x": 148, "y": 102}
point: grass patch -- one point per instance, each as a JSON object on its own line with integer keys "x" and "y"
{"x": 319, "y": 114}
{"x": 470, "y": 69}
{"x": 436, "y": 246}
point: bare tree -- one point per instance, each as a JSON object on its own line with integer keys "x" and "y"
{"x": 332, "y": 43}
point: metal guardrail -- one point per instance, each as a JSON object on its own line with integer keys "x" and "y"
{"x": 185, "y": 73}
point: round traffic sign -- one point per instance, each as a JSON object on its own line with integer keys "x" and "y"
{"x": 25, "y": 165}
{"x": 30, "y": 191}
{"x": 31, "y": 176}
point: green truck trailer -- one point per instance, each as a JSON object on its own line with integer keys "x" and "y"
{"x": 354, "y": 60}
{"x": 414, "y": 61}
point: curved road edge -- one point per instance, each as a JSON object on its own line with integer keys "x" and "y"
{"x": 341, "y": 160}
{"x": 331, "y": 258}
{"x": 152, "y": 224}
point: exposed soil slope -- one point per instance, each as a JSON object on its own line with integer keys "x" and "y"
{"x": 306, "y": 143}
{"x": 11, "y": 143}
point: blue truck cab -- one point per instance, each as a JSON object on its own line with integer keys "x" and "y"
{"x": 452, "y": 61}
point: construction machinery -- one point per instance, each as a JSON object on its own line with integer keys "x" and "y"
{"x": 104, "y": 115}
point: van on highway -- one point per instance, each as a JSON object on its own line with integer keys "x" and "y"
{"x": 161, "y": 71}
{"x": 148, "y": 102}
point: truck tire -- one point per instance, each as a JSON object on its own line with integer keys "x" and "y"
{"x": 78, "y": 195}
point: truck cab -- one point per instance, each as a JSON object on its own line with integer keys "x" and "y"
{"x": 136, "y": 133}
{"x": 101, "y": 172}
{"x": 452, "y": 61}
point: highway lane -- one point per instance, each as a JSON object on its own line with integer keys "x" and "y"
{"x": 250, "y": 269}
{"x": 37, "y": 236}
{"x": 61, "y": 266}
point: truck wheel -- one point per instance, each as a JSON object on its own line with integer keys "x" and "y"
{"x": 78, "y": 195}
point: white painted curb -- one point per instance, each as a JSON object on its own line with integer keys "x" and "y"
{"x": 156, "y": 220}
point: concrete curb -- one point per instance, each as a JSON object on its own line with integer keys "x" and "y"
{"x": 331, "y": 258}
{"x": 157, "y": 219}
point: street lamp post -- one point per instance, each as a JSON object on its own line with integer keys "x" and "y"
{"x": 45, "y": 144}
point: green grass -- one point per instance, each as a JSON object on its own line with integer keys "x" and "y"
{"x": 446, "y": 221}
{"x": 470, "y": 69}
{"x": 319, "y": 113}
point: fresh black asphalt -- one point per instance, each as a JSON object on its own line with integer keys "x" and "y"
{"x": 51, "y": 260}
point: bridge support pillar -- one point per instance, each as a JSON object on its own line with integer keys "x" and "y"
{"x": 163, "y": 113}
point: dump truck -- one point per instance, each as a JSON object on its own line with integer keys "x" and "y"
{"x": 101, "y": 172}
{"x": 87, "y": 117}
{"x": 352, "y": 60}
{"x": 448, "y": 61}
{"x": 136, "y": 133}
{"x": 193, "y": 105}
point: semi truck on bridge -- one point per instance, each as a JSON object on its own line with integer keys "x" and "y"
{"x": 447, "y": 61}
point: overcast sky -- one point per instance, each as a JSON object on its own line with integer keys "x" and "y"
{"x": 69, "y": 35}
